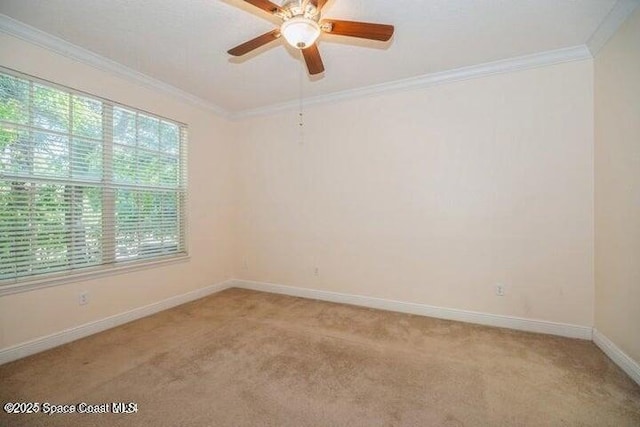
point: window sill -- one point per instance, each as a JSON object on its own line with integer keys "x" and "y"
{"x": 87, "y": 274}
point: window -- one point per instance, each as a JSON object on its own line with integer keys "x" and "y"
{"x": 85, "y": 184}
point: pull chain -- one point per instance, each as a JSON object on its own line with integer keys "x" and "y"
{"x": 301, "y": 107}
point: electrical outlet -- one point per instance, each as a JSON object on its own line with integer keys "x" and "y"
{"x": 83, "y": 298}
{"x": 500, "y": 290}
{"x": 316, "y": 271}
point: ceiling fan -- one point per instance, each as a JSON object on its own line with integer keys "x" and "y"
{"x": 302, "y": 26}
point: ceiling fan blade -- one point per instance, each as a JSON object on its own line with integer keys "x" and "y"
{"x": 265, "y": 5}
{"x": 363, "y": 30}
{"x": 319, "y": 4}
{"x": 313, "y": 59}
{"x": 252, "y": 44}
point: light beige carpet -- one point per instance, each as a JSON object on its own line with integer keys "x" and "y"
{"x": 244, "y": 358}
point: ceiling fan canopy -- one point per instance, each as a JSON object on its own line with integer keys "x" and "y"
{"x": 301, "y": 27}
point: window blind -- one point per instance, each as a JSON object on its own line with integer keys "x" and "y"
{"x": 85, "y": 182}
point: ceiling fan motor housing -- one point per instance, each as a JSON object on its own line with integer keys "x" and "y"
{"x": 299, "y": 8}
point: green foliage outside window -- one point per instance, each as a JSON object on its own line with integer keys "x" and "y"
{"x": 60, "y": 207}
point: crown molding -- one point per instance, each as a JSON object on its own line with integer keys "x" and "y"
{"x": 40, "y": 38}
{"x": 610, "y": 24}
{"x": 576, "y": 53}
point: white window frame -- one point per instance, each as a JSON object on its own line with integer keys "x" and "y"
{"x": 111, "y": 266}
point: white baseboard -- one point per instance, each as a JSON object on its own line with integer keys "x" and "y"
{"x": 44, "y": 343}
{"x": 619, "y": 357}
{"x": 628, "y": 365}
{"x": 521, "y": 324}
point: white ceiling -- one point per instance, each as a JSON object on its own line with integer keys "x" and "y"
{"x": 184, "y": 43}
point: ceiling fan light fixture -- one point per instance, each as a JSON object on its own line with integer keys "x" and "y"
{"x": 300, "y": 32}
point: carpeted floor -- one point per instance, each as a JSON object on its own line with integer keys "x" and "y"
{"x": 244, "y": 358}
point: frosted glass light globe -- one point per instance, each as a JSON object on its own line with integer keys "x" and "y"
{"x": 300, "y": 32}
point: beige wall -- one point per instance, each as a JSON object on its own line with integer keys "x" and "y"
{"x": 29, "y": 315}
{"x": 617, "y": 188}
{"x": 431, "y": 196}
